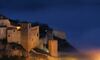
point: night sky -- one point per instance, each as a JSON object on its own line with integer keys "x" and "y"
{"x": 80, "y": 19}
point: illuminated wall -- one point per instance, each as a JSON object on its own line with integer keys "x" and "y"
{"x": 24, "y": 35}
{"x": 29, "y": 36}
{"x": 13, "y": 35}
{"x": 33, "y": 37}
{"x": 2, "y": 32}
{"x": 53, "y": 47}
{"x": 5, "y": 22}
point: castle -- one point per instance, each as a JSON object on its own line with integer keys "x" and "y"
{"x": 34, "y": 36}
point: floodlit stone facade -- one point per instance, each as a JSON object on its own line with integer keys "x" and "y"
{"x": 3, "y": 32}
{"x": 29, "y": 36}
{"x": 25, "y": 34}
{"x": 5, "y": 22}
{"x": 32, "y": 37}
{"x": 13, "y": 35}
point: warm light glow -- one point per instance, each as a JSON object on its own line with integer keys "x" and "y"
{"x": 93, "y": 54}
{"x": 18, "y": 27}
{"x": 96, "y": 56}
{"x": 71, "y": 58}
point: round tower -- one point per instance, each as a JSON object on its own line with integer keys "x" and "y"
{"x": 53, "y": 47}
{"x": 25, "y": 34}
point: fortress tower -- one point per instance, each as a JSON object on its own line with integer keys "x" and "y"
{"x": 53, "y": 47}
{"x": 29, "y": 36}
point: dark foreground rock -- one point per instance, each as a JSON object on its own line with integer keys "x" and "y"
{"x": 12, "y": 58}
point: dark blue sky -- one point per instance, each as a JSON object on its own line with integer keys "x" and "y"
{"x": 80, "y": 19}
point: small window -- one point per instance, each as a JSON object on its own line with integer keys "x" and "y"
{"x": 8, "y": 35}
{"x": 13, "y": 30}
{"x": 32, "y": 39}
{"x": 37, "y": 34}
